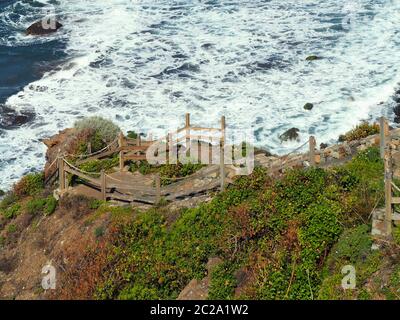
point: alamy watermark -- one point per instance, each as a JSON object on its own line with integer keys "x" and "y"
{"x": 49, "y": 280}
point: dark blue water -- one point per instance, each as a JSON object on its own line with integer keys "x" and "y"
{"x": 20, "y": 64}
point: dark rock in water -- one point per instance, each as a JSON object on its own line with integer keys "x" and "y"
{"x": 313, "y": 58}
{"x": 396, "y": 99}
{"x": 291, "y": 134}
{"x": 2, "y": 193}
{"x": 396, "y": 111}
{"x": 323, "y": 146}
{"x": 44, "y": 27}
{"x": 342, "y": 138}
{"x": 308, "y": 106}
{"x": 11, "y": 119}
{"x": 262, "y": 151}
{"x": 397, "y": 91}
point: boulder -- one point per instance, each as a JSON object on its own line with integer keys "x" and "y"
{"x": 291, "y": 134}
{"x": 11, "y": 119}
{"x": 308, "y": 106}
{"x": 313, "y": 58}
{"x": 40, "y": 28}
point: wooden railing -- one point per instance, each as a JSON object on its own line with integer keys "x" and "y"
{"x": 136, "y": 149}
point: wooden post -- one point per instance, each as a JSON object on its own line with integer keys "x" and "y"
{"x": 121, "y": 140}
{"x": 187, "y": 126}
{"x": 138, "y": 140}
{"x": 158, "y": 188}
{"x": 222, "y": 154}
{"x": 61, "y": 176}
{"x": 312, "y": 144}
{"x": 382, "y": 133}
{"x": 89, "y": 148}
{"x": 388, "y": 192}
{"x": 167, "y": 149}
{"x": 103, "y": 185}
{"x": 121, "y": 161}
{"x": 121, "y": 153}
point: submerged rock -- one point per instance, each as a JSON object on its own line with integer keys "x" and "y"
{"x": 308, "y": 106}
{"x": 291, "y": 134}
{"x": 313, "y": 58}
{"x": 43, "y": 27}
{"x": 12, "y": 119}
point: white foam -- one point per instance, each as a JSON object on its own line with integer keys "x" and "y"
{"x": 357, "y": 72}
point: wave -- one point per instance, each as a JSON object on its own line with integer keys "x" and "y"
{"x": 144, "y": 64}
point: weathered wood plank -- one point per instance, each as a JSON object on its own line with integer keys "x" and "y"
{"x": 83, "y": 176}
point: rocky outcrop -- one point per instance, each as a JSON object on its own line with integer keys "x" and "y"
{"x": 12, "y": 119}
{"x": 60, "y": 142}
{"x": 313, "y": 58}
{"x": 198, "y": 289}
{"x": 43, "y": 27}
{"x": 308, "y": 106}
{"x": 291, "y": 134}
{"x": 396, "y": 109}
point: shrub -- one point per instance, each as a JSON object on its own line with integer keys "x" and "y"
{"x": 98, "y": 165}
{"x": 132, "y": 134}
{"x": 35, "y": 206}
{"x": 99, "y": 232}
{"x": 12, "y": 228}
{"x": 29, "y": 185}
{"x": 223, "y": 282}
{"x": 360, "y": 131}
{"x": 45, "y": 206}
{"x": 105, "y": 129}
{"x": 12, "y": 211}
{"x": 95, "y": 204}
{"x": 51, "y": 204}
{"x": 8, "y": 200}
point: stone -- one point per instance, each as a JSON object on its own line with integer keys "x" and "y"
{"x": 291, "y": 134}
{"x": 43, "y": 27}
{"x": 308, "y": 106}
{"x": 195, "y": 290}
{"x": 12, "y": 119}
{"x": 212, "y": 263}
{"x": 313, "y": 58}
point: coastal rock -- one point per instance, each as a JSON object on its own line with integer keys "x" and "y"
{"x": 40, "y": 28}
{"x": 291, "y": 134}
{"x": 12, "y": 119}
{"x": 308, "y": 106}
{"x": 322, "y": 146}
{"x": 396, "y": 111}
{"x": 60, "y": 142}
{"x": 313, "y": 58}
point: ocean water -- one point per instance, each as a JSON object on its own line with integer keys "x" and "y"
{"x": 143, "y": 64}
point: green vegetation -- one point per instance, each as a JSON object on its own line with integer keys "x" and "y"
{"x": 98, "y": 165}
{"x": 29, "y": 185}
{"x": 11, "y": 211}
{"x": 103, "y": 128}
{"x": 168, "y": 172}
{"x": 360, "y": 131}
{"x": 45, "y": 206}
{"x": 132, "y": 135}
{"x": 280, "y": 231}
